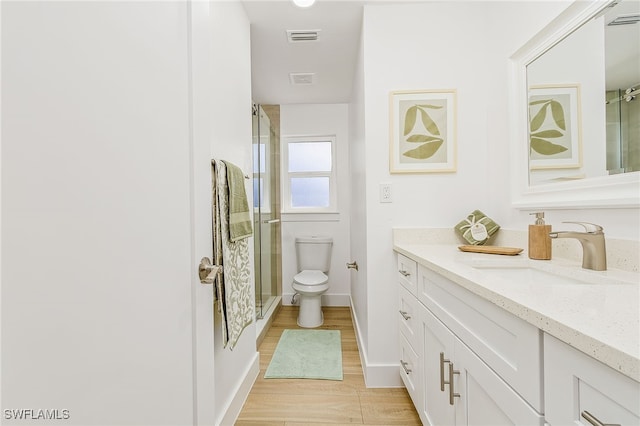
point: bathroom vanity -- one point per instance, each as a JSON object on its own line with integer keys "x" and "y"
{"x": 506, "y": 340}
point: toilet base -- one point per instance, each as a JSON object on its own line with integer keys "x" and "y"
{"x": 310, "y": 314}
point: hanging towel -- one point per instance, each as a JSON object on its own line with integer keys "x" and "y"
{"x": 235, "y": 301}
{"x": 240, "y": 226}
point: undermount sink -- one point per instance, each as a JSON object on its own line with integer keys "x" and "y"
{"x": 532, "y": 273}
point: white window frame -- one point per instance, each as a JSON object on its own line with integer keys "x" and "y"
{"x": 287, "y": 176}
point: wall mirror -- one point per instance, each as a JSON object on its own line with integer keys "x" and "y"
{"x": 576, "y": 101}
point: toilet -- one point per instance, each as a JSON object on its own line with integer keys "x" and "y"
{"x": 313, "y": 256}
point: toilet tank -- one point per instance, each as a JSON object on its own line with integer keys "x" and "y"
{"x": 314, "y": 253}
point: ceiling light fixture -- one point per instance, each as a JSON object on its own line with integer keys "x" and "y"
{"x": 304, "y": 3}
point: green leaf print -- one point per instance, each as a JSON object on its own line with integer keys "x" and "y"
{"x": 410, "y": 119}
{"x": 424, "y": 151}
{"x": 544, "y": 147}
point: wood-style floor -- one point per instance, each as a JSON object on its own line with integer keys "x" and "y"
{"x": 291, "y": 402}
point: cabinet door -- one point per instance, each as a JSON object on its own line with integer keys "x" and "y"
{"x": 486, "y": 399}
{"x": 437, "y": 339}
{"x": 576, "y": 384}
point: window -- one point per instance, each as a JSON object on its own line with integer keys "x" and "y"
{"x": 309, "y": 182}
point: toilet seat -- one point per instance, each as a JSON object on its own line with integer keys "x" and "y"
{"x": 310, "y": 278}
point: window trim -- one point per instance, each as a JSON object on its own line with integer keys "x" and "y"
{"x": 287, "y": 175}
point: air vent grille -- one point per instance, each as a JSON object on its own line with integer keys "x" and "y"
{"x": 297, "y": 78}
{"x": 302, "y": 35}
{"x": 626, "y": 19}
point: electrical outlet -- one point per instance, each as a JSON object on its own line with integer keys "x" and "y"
{"x": 385, "y": 193}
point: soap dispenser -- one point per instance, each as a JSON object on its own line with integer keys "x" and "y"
{"x": 539, "y": 240}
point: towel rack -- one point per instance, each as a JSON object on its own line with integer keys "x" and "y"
{"x": 208, "y": 272}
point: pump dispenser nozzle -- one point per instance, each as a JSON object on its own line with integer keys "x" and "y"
{"x": 539, "y": 218}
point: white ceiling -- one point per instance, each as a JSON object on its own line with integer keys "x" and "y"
{"x": 332, "y": 58}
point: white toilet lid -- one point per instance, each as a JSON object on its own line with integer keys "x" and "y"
{"x": 309, "y": 277}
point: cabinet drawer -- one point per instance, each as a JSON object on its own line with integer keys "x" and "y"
{"x": 575, "y": 383}
{"x": 509, "y": 345}
{"x": 407, "y": 273}
{"x": 408, "y": 317}
{"x": 410, "y": 370}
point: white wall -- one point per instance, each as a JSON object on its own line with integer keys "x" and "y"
{"x": 231, "y": 122}
{"x": 109, "y": 125}
{"x": 428, "y": 46}
{"x": 320, "y": 120}
{"x": 396, "y": 35}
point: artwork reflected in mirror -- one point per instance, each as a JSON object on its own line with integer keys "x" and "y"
{"x": 584, "y": 100}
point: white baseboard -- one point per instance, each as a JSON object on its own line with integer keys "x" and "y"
{"x": 375, "y": 375}
{"x": 327, "y": 300}
{"x": 242, "y": 392}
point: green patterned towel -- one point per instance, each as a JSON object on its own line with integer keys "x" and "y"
{"x": 239, "y": 217}
{"x": 477, "y": 228}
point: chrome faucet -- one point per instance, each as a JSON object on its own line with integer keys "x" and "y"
{"x": 594, "y": 255}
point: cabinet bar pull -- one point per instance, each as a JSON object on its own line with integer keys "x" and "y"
{"x": 594, "y": 420}
{"x": 452, "y": 394}
{"x": 404, "y": 273}
{"x": 405, "y": 315}
{"x": 442, "y": 381}
{"x": 406, "y": 369}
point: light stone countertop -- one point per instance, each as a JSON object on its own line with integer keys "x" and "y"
{"x": 600, "y": 317}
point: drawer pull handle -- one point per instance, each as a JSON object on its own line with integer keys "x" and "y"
{"x": 405, "y": 367}
{"x": 594, "y": 420}
{"x": 442, "y": 362}
{"x": 405, "y": 315}
{"x": 404, "y": 273}
{"x": 452, "y": 393}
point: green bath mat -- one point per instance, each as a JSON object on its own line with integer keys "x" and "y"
{"x": 307, "y": 354}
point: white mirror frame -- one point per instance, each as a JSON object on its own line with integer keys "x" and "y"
{"x": 611, "y": 191}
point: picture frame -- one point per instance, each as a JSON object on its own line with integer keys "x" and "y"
{"x": 555, "y": 136}
{"x": 422, "y": 131}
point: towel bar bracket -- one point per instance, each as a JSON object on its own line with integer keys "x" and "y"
{"x": 207, "y": 271}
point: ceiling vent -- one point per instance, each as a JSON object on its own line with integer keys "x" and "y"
{"x": 298, "y": 78}
{"x": 295, "y": 36}
{"x": 626, "y": 19}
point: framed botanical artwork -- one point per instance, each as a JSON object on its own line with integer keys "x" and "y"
{"x": 422, "y": 131}
{"x": 555, "y": 139}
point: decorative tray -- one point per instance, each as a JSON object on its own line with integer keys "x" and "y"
{"x": 508, "y": 251}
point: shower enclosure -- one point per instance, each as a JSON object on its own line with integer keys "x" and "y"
{"x": 266, "y": 207}
{"x": 623, "y": 130}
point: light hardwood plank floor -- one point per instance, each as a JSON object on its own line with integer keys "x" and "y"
{"x": 295, "y": 402}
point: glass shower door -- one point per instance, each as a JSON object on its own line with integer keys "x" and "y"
{"x": 266, "y": 211}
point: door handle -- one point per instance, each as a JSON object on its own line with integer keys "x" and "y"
{"x": 452, "y": 393}
{"x": 207, "y": 272}
{"x": 594, "y": 420}
{"x": 442, "y": 362}
{"x": 271, "y": 221}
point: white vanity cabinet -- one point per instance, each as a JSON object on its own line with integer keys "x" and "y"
{"x": 461, "y": 389}
{"x": 582, "y": 391}
{"x": 464, "y": 360}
